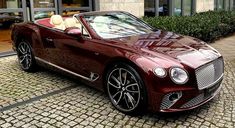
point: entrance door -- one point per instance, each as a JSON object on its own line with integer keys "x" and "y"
{"x": 11, "y": 11}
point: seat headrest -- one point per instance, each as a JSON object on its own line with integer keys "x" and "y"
{"x": 70, "y": 22}
{"x": 56, "y": 20}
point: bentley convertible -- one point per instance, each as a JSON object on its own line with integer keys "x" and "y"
{"x": 139, "y": 67}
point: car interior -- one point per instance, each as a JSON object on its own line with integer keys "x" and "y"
{"x": 59, "y": 23}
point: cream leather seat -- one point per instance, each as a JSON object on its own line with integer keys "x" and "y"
{"x": 58, "y": 22}
{"x": 71, "y": 22}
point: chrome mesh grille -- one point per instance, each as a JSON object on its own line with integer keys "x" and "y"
{"x": 203, "y": 96}
{"x": 210, "y": 73}
{"x": 196, "y": 100}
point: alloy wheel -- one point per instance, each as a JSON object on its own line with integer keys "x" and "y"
{"x": 24, "y": 55}
{"x": 123, "y": 89}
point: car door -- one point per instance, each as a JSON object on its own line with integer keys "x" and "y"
{"x": 80, "y": 56}
{"x": 48, "y": 37}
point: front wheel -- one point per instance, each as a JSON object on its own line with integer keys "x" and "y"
{"x": 26, "y": 57}
{"x": 126, "y": 89}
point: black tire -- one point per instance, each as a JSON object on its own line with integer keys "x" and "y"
{"x": 128, "y": 96}
{"x": 25, "y": 57}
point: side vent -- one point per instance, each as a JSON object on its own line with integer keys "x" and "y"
{"x": 94, "y": 76}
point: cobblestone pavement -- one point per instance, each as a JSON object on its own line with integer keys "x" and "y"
{"x": 45, "y": 99}
{"x": 17, "y": 86}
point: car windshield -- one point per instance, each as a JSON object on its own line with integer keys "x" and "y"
{"x": 116, "y": 24}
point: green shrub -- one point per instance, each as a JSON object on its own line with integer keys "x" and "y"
{"x": 206, "y": 26}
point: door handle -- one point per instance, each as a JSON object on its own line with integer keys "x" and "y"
{"x": 49, "y": 39}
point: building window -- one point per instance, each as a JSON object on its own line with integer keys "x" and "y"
{"x": 177, "y": 7}
{"x": 233, "y": 4}
{"x": 168, "y": 7}
{"x": 71, "y": 7}
{"x": 227, "y": 5}
{"x": 75, "y": 3}
{"x": 9, "y": 4}
{"x": 220, "y": 4}
{"x": 187, "y": 7}
{"x": 43, "y": 14}
{"x": 6, "y": 20}
{"x": 149, "y": 7}
{"x": 44, "y": 4}
{"x": 163, "y": 7}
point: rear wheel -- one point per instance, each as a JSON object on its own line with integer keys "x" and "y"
{"x": 26, "y": 57}
{"x": 126, "y": 89}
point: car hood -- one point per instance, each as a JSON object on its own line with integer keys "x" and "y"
{"x": 173, "y": 47}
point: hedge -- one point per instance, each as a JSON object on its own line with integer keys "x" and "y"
{"x": 206, "y": 26}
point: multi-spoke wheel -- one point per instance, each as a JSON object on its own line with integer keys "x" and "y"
{"x": 25, "y": 56}
{"x": 125, "y": 89}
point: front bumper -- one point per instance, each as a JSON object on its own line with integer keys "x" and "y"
{"x": 191, "y": 99}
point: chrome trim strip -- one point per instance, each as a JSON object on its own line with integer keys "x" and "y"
{"x": 217, "y": 91}
{"x": 66, "y": 70}
{"x": 90, "y": 37}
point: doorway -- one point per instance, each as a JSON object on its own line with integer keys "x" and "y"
{"x": 15, "y": 11}
{"x": 11, "y": 11}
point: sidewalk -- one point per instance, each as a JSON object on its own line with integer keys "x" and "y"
{"x": 226, "y": 47}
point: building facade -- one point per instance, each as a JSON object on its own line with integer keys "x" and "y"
{"x": 12, "y": 11}
{"x": 29, "y": 10}
{"x": 185, "y": 7}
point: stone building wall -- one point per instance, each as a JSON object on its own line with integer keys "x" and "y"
{"x": 205, "y": 5}
{"x": 135, "y": 7}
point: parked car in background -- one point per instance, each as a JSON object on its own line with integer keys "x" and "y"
{"x": 139, "y": 67}
{"x": 7, "y": 19}
{"x": 40, "y": 15}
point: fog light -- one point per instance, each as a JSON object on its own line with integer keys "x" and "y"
{"x": 160, "y": 72}
{"x": 174, "y": 97}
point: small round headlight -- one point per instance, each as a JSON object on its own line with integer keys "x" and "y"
{"x": 160, "y": 72}
{"x": 179, "y": 75}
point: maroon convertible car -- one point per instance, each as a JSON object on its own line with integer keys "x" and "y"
{"x": 139, "y": 67}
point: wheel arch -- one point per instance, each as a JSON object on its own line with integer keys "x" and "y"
{"x": 24, "y": 32}
{"x": 142, "y": 74}
{"x": 116, "y": 60}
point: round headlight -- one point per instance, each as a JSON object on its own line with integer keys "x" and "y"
{"x": 160, "y": 72}
{"x": 179, "y": 75}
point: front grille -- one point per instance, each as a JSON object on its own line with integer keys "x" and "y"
{"x": 208, "y": 93}
{"x": 196, "y": 100}
{"x": 208, "y": 74}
